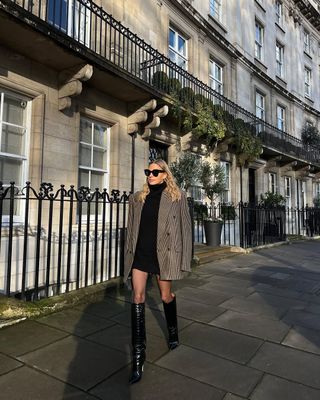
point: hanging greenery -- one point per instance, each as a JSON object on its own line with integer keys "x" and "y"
{"x": 206, "y": 127}
{"x": 247, "y": 145}
{"x": 310, "y": 135}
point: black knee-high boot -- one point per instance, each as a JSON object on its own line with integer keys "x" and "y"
{"x": 170, "y": 311}
{"x": 138, "y": 341}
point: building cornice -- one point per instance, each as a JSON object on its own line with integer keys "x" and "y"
{"x": 188, "y": 10}
{"x": 310, "y": 12}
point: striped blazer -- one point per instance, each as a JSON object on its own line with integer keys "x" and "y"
{"x": 174, "y": 236}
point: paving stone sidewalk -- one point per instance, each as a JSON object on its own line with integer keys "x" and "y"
{"x": 249, "y": 329}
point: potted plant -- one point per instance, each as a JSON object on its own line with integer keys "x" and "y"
{"x": 213, "y": 182}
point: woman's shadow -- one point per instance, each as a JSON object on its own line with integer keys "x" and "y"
{"x": 101, "y": 345}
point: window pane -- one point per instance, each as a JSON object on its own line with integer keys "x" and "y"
{"x": 171, "y": 37}
{"x": 181, "y": 46}
{"x": 84, "y": 178}
{"x": 99, "y": 159}
{"x": 96, "y": 181}
{"x": 85, "y": 156}
{"x": 12, "y": 140}
{"x": 172, "y": 55}
{"x": 85, "y": 131}
{"x": 10, "y": 171}
{"x": 181, "y": 62}
{"x": 13, "y": 111}
{"x": 218, "y": 72}
{"x": 100, "y": 135}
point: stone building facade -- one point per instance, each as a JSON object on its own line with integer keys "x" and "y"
{"x": 79, "y": 115}
{"x": 80, "y": 105}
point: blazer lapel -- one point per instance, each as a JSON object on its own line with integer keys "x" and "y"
{"x": 164, "y": 208}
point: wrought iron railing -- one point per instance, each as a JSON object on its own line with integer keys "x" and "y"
{"x": 95, "y": 33}
{"x": 53, "y": 242}
{"x": 247, "y": 225}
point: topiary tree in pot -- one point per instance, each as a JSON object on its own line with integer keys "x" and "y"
{"x": 186, "y": 170}
{"x": 213, "y": 181}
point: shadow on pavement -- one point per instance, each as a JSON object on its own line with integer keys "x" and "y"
{"x": 101, "y": 345}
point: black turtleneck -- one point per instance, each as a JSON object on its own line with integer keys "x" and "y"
{"x": 146, "y": 250}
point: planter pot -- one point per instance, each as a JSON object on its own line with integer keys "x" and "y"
{"x": 213, "y": 233}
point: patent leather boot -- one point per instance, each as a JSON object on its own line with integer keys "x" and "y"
{"x": 170, "y": 311}
{"x": 138, "y": 341}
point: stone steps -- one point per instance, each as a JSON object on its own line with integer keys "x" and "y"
{"x": 206, "y": 254}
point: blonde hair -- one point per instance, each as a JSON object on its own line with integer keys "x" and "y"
{"x": 172, "y": 188}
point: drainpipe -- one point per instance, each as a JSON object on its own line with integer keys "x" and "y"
{"x": 133, "y": 156}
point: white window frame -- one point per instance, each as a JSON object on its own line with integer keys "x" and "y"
{"x": 306, "y": 41}
{"x": 226, "y": 195}
{"x": 23, "y": 157}
{"x": 259, "y": 40}
{"x": 280, "y": 59}
{"x": 92, "y": 146}
{"x": 301, "y": 193}
{"x": 281, "y": 118}
{"x": 261, "y": 105}
{"x": 288, "y": 191}
{"x": 175, "y": 49}
{"x": 272, "y": 182}
{"x": 215, "y": 9}
{"x": 78, "y": 24}
{"x": 214, "y": 81}
{"x": 279, "y": 12}
{"x": 307, "y": 81}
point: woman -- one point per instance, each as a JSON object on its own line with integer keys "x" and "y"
{"x": 158, "y": 242}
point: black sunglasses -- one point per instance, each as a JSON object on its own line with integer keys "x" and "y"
{"x": 154, "y": 172}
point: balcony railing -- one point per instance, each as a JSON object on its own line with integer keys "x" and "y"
{"x": 98, "y": 34}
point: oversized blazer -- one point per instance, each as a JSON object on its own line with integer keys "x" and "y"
{"x": 174, "y": 236}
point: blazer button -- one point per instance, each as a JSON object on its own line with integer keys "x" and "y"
{"x": 168, "y": 234}
{"x": 168, "y": 248}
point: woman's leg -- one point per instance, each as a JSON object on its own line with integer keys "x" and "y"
{"x": 170, "y": 311}
{"x": 139, "y": 281}
{"x": 138, "y": 330}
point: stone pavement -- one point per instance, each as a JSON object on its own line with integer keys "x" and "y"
{"x": 249, "y": 329}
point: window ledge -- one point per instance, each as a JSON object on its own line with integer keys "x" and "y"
{"x": 260, "y": 64}
{"x": 217, "y": 24}
{"x": 308, "y": 54}
{"x": 309, "y": 99}
{"x": 280, "y": 27}
{"x": 281, "y": 80}
{"x": 260, "y": 5}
